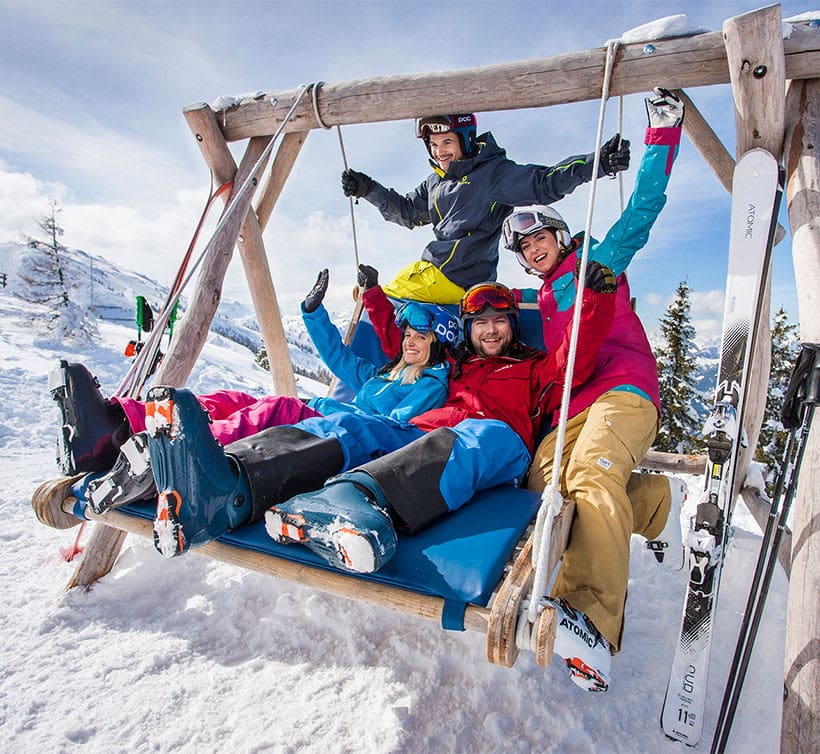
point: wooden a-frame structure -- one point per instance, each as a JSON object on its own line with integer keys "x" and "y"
{"x": 776, "y": 88}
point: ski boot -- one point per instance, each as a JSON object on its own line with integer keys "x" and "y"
{"x": 584, "y": 651}
{"x": 129, "y": 480}
{"x": 668, "y": 545}
{"x": 202, "y": 492}
{"x": 345, "y": 523}
{"x": 92, "y": 428}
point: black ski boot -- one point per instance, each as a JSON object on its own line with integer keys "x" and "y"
{"x": 92, "y": 428}
{"x": 129, "y": 480}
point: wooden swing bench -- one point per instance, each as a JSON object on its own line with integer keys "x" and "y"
{"x": 774, "y": 82}
{"x": 472, "y": 570}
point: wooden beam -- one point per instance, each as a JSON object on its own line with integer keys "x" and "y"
{"x": 574, "y": 77}
{"x": 251, "y": 250}
{"x": 476, "y": 617}
{"x": 760, "y": 507}
{"x": 717, "y": 157}
{"x": 193, "y": 328}
{"x": 706, "y": 141}
{"x": 98, "y": 556}
{"x": 674, "y": 463}
{"x": 800, "y": 729}
{"x": 280, "y": 169}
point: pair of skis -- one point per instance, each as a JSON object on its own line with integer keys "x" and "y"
{"x": 757, "y": 188}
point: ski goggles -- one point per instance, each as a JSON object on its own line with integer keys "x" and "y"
{"x": 492, "y": 295}
{"x": 442, "y": 124}
{"x": 419, "y": 317}
{"x": 429, "y": 318}
{"x": 526, "y": 223}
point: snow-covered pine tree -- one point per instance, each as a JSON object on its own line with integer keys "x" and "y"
{"x": 772, "y": 440}
{"x": 45, "y": 276}
{"x": 680, "y": 423}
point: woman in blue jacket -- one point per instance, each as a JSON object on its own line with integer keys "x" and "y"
{"x": 201, "y": 495}
{"x": 414, "y": 382}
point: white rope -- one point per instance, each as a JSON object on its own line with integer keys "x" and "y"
{"x": 139, "y": 370}
{"x": 551, "y": 499}
{"x": 621, "y": 132}
{"x": 314, "y": 97}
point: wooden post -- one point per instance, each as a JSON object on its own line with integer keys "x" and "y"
{"x": 706, "y": 141}
{"x": 800, "y": 730}
{"x": 279, "y": 171}
{"x": 203, "y": 124}
{"x": 754, "y": 49}
{"x": 195, "y": 325}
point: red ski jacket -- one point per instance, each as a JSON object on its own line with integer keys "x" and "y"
{"x": 522, "y": 388}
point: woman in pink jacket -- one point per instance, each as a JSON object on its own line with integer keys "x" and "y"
{"x": 614, "y": 416}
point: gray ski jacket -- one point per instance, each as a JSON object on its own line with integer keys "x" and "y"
{"x": 467, "y": 205}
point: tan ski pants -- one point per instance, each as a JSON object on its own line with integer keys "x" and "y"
{"x": 603, "y": 445}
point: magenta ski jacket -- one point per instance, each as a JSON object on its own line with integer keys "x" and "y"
{"x": 625, "y": 361}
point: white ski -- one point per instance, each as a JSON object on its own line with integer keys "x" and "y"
{"x": 756, "y": 192}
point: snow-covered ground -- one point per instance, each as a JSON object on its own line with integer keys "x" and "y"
{"x": 189, "y": 655}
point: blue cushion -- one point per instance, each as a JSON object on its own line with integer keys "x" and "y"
{"x": 460, "y": 558}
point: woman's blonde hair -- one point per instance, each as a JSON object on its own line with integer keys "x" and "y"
{"x": 410, "y": 373}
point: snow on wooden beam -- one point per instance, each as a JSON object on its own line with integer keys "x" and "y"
{"x": 698, "y": 60}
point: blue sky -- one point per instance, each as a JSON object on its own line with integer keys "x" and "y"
{"x": 91, "y": 112}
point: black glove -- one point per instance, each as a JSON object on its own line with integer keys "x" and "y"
{"x": 368, "y": 277}
{"x": 356, "y": 184}
{"x": 614, "y": 156}
{"x": 599, "y": 278}
{"x": 317, "y": 293}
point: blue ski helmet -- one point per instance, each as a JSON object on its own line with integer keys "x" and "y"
{"x": 429, "y": 318}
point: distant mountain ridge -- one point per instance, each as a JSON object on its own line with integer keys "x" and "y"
{"x": 110, "y": 292}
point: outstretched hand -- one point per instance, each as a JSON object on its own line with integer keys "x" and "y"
{"x": 664, "y": 109}
{"x": 614, "y": 156}
{"x": 317, "y": 294}
{"x": 356, "y": 184}
{"x": 368, "y": 277}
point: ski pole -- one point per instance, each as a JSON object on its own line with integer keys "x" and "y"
{"x": 767, "y": 558}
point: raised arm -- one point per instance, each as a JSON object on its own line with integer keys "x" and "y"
{"x": 631, "y": 232}
{"x": 409, "y": 210}
{"x": 381, "y": 311}
{"x": 516, "y": 184}
{"x": 349, "y": 368}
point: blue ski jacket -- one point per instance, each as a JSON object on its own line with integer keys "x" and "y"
{"x": 375, "y": 393}
{"x": 467, "y": 205}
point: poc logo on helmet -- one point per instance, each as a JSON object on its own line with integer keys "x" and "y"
{"x": 448, "y": 332}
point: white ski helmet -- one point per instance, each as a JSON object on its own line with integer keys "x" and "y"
{"x": 524, "y": 221}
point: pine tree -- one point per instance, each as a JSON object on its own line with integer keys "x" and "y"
{"x": 48, "y": 283}
{"x": 772, "y": 440}
{"x": 680, "y": 424}
{"x": 45, "y": 277}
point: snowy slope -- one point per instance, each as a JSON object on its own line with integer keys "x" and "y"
{"x": 189, "y": 655}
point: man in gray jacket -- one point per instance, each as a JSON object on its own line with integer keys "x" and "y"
{"x": 472, "y": 188}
